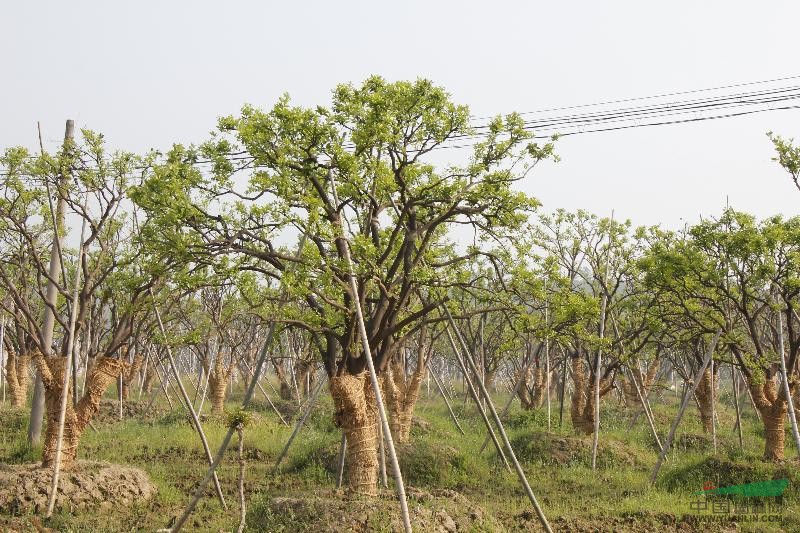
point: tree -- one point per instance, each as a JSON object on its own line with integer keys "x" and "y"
{"x": 788, "y": 156}
{"x": 736, "y": 275}
{"x": 597, "y": 265}
{"x": 108, "y": 269}
{"x": 395, "y": 210}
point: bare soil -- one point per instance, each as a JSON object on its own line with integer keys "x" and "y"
{"x": 442, "y": 511}
{"x": 24, "y": 488}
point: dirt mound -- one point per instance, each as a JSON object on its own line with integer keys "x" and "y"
{"x": 561, "y": 450}
{"x": 422, "y": 463}
{"x": 440, "y": 511}
{"x": 723, "y": 472}
{"x": 694, "y": 441}
{"x": 24, "y": 488}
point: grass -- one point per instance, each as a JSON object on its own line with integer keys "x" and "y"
{"x": 440, "y": 459}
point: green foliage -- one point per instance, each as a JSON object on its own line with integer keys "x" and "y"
{"x": 788, "y": 156}
{"x": 238, "y": 418}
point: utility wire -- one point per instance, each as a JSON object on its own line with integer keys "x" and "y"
{"x": 608, "y": 120}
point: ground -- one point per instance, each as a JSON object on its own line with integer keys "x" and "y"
{"x": 451, "y": 486}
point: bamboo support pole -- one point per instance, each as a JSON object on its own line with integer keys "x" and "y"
{"x": 188, "y": 404}
{"x": 690, "y": 390}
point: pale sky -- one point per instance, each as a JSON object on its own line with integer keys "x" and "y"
{"x": 148, "y": 74}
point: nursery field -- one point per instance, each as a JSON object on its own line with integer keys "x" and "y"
{"x": 353, "y": 317}
{"x": 450, "y": 485}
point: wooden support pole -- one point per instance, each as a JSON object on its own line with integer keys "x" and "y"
{"x": 73, "y": 317}
{"x": 362, "y": 330}
{"x": 54, "y": 274}
{"x": 188, "y": 403}
{"x": 432, "y": 374}
{"x": 520, "y": 473}
{"x": 690, "y": 390}
{"x": 299, "y": 425}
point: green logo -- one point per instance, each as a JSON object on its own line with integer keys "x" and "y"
{"x": 774, "y": 487}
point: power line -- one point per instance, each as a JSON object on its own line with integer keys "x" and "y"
{"x": 613, "y": 119}
{"x": 696, "y": 105}
{"x": 651, "y": 97}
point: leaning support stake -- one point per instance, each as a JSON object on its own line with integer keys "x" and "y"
{"x": 188, "y": 403}
{"x": 340, "y": 462}
{"x": 432, "y": 374}
{"x": 373, "y": 376}
{"x": 275, "y": 409}
{"x": 645, "y": 405}
{"x": 735, "y": 380}
{"x": 499, "y": 423}
{"x": 300, "y": 423}
{"x": 477, "y": 399}
{"x": 514, "y": 390}
{"x": 162, "y": 377}
{"x": 786, "y": 390}
{"x": 73, "y": 316}
{"x": 647, "y": 413}
{"x": 686, "y": 396}
{"x": 248, "y": 395}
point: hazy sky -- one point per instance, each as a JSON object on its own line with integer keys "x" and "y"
{"x": 148, "y": 74}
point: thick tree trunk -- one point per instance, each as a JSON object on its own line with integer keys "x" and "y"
{"x": 286, "y": 388}
{"x": 104, "y": 372}
{"x": 582, "y": 410}
{"x": 523, "y": 391}
{"x": 539, "y": 384}
{"x": 645, "y": 381}
{"x": 218, "y": 385}
{"x": 129, "y": 376}
{"x": 356, "y": 413}
{"x": 17, "y": 377}
{"x": 149, "y": 376}
{"x": 705, "y": 396}
{"x": 531, "y": 392}
{"x": 401, "y": 393}
{"x": 580, "y": 398}
{"x": 305, "y": 377}
{"x": 774, "y": 433}
{"x": 773, "y": 409}
{"x": 488, "y": 379}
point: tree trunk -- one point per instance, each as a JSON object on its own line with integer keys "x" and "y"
{"x": 774, "y": 433}
{"x": 580, "y": 399}
{"x": 705, "y": 395}
{"x": 645, "y": 381}
{"x": 355, "y": 411}
{"x": 149, "y": 375}
{"x": 523, "y": 391}
{"x": 539, "y": 384}
{"x": 218, "y": 385}
{"x": 17, "y": 377}
{"x": 488, "y": 379}
{"x": 773, "y": 409}
{"x": 286, "y": 389}
{"x": 129, "y": 376}
{"x": 582, "y": 410}
{"x": 401, "y": 394}
{"x": 531, "y": 391}
{"x": 305, "y": 377}
{"x": 104, "y": 372}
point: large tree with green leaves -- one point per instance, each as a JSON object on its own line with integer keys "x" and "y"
{"x": 740, "y": 276}
{"x": 379, "y": 143}
{"x": 92, "y": 185}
